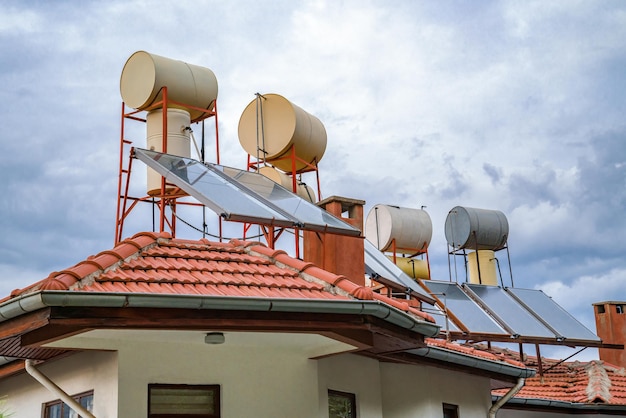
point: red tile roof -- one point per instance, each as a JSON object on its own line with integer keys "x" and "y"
{"x": 593, "y": 382}
{"x": 157, "y": 263}
{"x": 472, "y": 351}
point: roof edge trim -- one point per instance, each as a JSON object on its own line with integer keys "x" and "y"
{"x": 61, "y": 298}
{"x": 543, "y": 403}
{"x": 442, "y": 354}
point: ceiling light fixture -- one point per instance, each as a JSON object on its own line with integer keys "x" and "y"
{"x": 214, "y": 338}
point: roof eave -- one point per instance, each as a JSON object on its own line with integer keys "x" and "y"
{"x": 517, "y": 403}
{"x": 461, "y": 359}
{"x": 60, "y": 298}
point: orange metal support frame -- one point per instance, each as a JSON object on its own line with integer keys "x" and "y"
{"x": 271, "y": 234}
{"x": 423, "y": 250}
{"x": 163, "y": 199}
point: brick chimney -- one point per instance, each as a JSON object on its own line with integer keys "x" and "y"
{"x": 611, "y": 328}
{"x": 339, "y": 254}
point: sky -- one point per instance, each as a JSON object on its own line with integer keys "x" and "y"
{"x": 515, "y": 106}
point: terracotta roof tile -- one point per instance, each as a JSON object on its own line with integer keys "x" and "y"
{"x": 574, "y": 382}
{"x": 159, "y": 264}
{"x": 156, "y": 263}
{"x": 472, "y": 351}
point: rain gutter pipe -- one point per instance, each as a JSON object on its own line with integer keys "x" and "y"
{"x": 61, "y": 298}
{"x": 56, "y": 390}
{"x": 594, "y": 408}
{"x": 453, "y": 357}
{"x": 512, "y": 392}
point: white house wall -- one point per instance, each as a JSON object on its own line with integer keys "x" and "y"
{"x": 75, "y": 374}
{"x": 262, "y": 381}
{"x": 419, "y": 391}
{"x": 269, "y": 375}
{"x": 353, "y": 374}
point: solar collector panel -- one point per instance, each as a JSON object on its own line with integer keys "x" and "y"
{"x": 377, "y": 264}
{"x": 464, "y": 308}
{"x": 519, "y": 321}
{"x": 243, "y": 196}
{"x": 544, "y": 308}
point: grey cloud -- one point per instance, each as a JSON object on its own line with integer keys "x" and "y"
{"x": 493, "y": 172}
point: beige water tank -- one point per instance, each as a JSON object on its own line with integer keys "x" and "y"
{"x": 413, "y": 267}
{"x": 145, "y": 74}
{"x": 275, "y": 125}
{"x": 286, "y": 181}
{"x": 178, "y": 140}
{"x": 486, "y": 260}
{"x": 412, "y": 229}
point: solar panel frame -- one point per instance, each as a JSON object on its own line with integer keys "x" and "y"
{"x": 508, "y": 311}
{"x": 470, "y": 313}
{"x": 376, "y": 263}
{"x": 308, "y": 215}
{"x": 545, "y": 309}
{"x": 238, "y": 195}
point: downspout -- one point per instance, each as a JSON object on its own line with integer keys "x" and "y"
{"x": 496, "y": 406}
{"x": 52, "y": 387}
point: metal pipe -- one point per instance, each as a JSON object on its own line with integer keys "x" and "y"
{"x": 56, "y": 390}
{"x": 496, "y": 406}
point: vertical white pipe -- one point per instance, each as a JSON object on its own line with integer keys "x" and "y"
{"x": 52, "y": 387}
{"x": 496, "y": 406}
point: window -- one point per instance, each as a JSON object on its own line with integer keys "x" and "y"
{"x": 59, "y": 409}
{"x": 341, "y": 404}
{"x": 184, "y": 401}
{"x": 600, "y": 309}
{"x": 450, "y": 410}
{"x": 619, "y": 309}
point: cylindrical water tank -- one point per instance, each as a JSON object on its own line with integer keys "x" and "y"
{"x": 486, "y": 260}
{"x": 413, "y": 267}
{"x": 476, "y": 229}
{"x": 271, "y": 125}
{"x": 286, "y": 181}
{"x": 145, "y": 74}
{"x": 178, "y": 139}
{"x": 412, "y": 229}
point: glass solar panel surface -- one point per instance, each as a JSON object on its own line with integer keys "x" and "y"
{"x": 310, "y": 215}
{"x": 440, "y": 319}
{"x": 509, "y": 311}
{"x": 243, "y": 196}
{"x": 464, "y": 308}
{"x": 557, "y": 317}
{"x": 378, "y": 263}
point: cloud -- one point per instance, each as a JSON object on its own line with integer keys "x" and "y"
{"x": 496, "y": 105}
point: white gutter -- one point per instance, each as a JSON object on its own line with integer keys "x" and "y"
{"x": 496, "y": 406}
{"x": 462, "y": 359}
{"x": 56, "y": 390}
{"x": 593, "y": 408}
{"x": 34, "y": 301}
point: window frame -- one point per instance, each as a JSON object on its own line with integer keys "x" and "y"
{"x": 45, "y": 413}
{"x": 448, "y": 408}
{"x": 346, "y": 395}
{"x": 216, "y": 400}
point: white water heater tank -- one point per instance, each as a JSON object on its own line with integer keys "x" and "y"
{"x": 178, "y": 140}
{"x": 144, "y": 75}
{"x": 411, "y": 229}
{"x": 270, "y": 127}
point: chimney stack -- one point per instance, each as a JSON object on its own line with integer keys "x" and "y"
{"x": 339, "y": 254}
{"x": 611, "y": 328}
